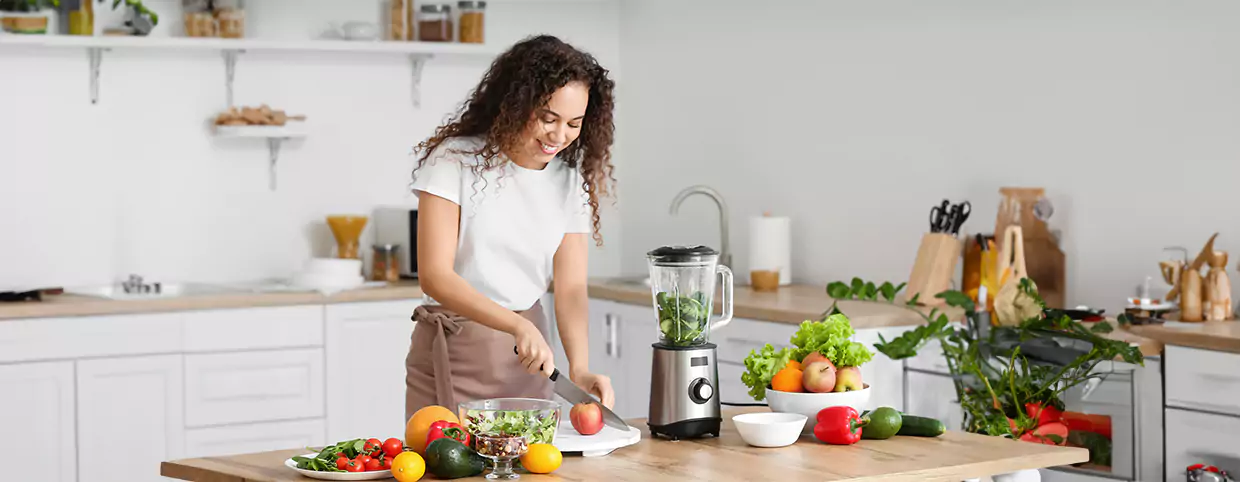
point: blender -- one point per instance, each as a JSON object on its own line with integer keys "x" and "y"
{"x": 684, "y": 401}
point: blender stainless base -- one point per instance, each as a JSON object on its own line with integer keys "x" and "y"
{"x": 684, "y": 402}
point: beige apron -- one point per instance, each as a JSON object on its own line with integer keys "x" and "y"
{"x": 453, "y": 359}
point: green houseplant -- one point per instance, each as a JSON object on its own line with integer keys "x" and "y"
{"x": 26, "y": 16}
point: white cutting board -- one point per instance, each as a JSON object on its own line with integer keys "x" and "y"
{"x": 609, "y": 439}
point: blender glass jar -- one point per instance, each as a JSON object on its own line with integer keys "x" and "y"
{"x": 682, "y": 284}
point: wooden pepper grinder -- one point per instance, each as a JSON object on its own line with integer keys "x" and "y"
{"x": 1190, "y": 295}
{"x": 1218, "y": 288}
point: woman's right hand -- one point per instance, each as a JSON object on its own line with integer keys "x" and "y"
{"x": 532, "y": 349}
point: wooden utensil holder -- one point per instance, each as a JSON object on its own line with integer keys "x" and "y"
{"x": 934, "y": 267}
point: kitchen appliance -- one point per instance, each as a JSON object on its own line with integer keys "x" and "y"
{"x": 399, "y": 226}
{"x": 684, "y": 399}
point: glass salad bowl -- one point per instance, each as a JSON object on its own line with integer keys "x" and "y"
{"x": 504, "y": 427}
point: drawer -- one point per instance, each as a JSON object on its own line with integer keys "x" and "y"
{"x": 1201, "y": 438}
{"x": 259, "y": 437}
{"x": 736, "y": 340}
{"x": 89, "y": 336}
{"x": 261, "y": 386}
{"x": 1202, "y": 380}
{"x": 273, "y": 327}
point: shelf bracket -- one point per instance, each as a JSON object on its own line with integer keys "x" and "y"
{"x": 230, "y": 72}
{"x": 418, "y": 61}
{"x": 96, "y": 60}
{"x": 273, "y": 149}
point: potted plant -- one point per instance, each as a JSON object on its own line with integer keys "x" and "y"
{"x": 27, "y": 16}
{"x": 1011, "y": 377}
{"x": 139, "y": 20}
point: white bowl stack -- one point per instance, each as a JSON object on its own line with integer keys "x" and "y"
{"x": 330, "y": 274}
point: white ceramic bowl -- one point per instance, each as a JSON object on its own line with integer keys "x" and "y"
{"x": 809, "y": 404}
{"x": 333, "y": 267}
{"x": 769, "y": 429}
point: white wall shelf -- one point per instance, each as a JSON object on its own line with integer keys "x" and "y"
{"x": 417, "y": 52}
{"x": 274, "y": 135}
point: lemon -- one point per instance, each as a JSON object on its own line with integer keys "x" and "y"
{"x": 542, "y": 458}
{"x": 408, "y": 467}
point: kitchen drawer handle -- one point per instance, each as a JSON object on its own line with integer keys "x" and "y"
{"x": 615, "y": 334}
{"x": 1214, "y": 377}
{"x": 611, "y": 335}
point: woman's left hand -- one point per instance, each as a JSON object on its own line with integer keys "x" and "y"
{"x": 597, "y": 385}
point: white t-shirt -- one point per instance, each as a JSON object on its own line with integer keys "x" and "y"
{"x": 512, "y": 219}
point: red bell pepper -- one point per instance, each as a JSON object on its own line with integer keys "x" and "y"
{"x": 1044, "y": 414}
{"x": 839, "y": 425}
{"x": 1099, "y": 424}
{"x": 446, "y": 429}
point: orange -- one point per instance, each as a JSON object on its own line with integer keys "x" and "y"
{"x": 787, "y": 380}
{"x": 794, "y": 364}
{"x": 408, "y": 467}
{"x": 542, "y": 459}
{"x": 420, "y": 423}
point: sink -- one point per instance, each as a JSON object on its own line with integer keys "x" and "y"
{"x": 153, "y": 290}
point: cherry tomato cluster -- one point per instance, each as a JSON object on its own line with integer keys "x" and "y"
{"x": 376, "y": 455}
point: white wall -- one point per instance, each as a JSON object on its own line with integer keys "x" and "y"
{"x": 855, "y": 117}
{"x": 136, "y": 184}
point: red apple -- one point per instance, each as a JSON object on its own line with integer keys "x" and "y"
{"x": 587, "y": 418}
{"x": 814, "y": 357}
{"x": 819, "y": 377}
{"x": 848, "y": 379}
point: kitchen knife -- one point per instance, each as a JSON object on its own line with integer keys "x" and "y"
{"x": 574, "y": 395}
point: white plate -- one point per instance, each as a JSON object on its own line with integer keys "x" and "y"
{"x": 314, "y": 474}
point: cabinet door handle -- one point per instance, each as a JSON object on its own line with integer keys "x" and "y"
{"x": 615, "y": 337}
{"x": 611, "y": 334}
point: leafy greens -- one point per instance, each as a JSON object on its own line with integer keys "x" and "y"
{"x": 830, "y": 336}
{"x": 683, "y": 319}
{"x": 537, "y": 426}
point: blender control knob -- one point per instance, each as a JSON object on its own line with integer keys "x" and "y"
{"x": 700, "y": 391}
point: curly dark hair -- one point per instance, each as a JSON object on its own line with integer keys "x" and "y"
{"x": 522, "y": 80}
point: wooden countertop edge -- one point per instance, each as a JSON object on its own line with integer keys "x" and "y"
{"x": 1221, "y": 336}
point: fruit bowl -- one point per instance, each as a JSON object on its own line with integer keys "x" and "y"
{"x": 535, "y": 419}
{"x": 809, "y": 404}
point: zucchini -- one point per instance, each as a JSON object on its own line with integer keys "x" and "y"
{"x": 921, "y": 426}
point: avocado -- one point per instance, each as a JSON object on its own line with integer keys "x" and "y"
{"x": 450, "y": 459}
{"x": 884, "y": 423}
{"x": 921, "y": 427}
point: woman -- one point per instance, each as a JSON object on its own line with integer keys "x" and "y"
{"x": 508, "y": 194}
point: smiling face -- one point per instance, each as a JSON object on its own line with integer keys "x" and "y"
{"x": 552, "y": 127}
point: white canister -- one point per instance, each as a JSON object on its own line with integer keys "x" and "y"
{"x": 770, "y": 245}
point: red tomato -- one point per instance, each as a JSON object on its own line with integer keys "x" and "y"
{"x": 342, "y": 462}
{"x": 373, "y": 465}
{"x": 354, "y": 466}
{"x": 373, "y": 445}
{"x": 387, "y": 463}
{"x": 362, "y": 459}
{"x": 393, "y": 447}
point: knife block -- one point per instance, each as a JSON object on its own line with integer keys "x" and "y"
{"x": 934, "y": 267}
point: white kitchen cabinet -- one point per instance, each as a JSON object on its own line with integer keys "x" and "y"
{"x": 637, "y": 331}
{"x": 933, "y": 395}
{"x": 884, "y": 375}
{"x": 366, "y": 347}
{"x": 130, "y": 415}
{"x": 258, "y": 386}
{"x": 256, "y": 437}
{"x": 1203, "y": 380}
{"x": 36, "y": 413}
{"x": 1201, "y": 438}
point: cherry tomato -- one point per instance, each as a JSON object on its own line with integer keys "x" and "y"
{"x": 362, "y": 459}
{"x": 373, "y": 465}
{"x": 373, "y": 445}
{"x": 342, "y": 462}
{"x": 393, "y": 447}
{"x": 354, "y": 466}
{"x": 387, "y": 463}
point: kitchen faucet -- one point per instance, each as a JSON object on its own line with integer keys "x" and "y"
{"x": 725, "y": 254}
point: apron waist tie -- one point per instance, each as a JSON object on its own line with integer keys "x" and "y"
{"x": 445, "y": 324}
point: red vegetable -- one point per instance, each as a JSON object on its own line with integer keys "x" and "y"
{"x": 373, "y": 465}
{"x": 1044, "y": 414}
{"x": 393, "y": 447}
{"x": 839, "y": 425}
{"x": 354, "y": 466}
{"x": 372, "y": 446}
{"x": 342, "y": 462}
{"x": 446, "y": 429}
{"x": 1084, "y": 422}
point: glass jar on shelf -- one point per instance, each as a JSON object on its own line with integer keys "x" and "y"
{"x": 472, "y": 21}
{"x": 385, "y": 263}
{"x": 400, "y": 20}
{"x": 435, "y": 23}
{"x": 199, "y": 22}
{"x": 229, "y": 18}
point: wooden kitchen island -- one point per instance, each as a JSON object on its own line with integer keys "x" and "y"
{"x": 954, "y": 456}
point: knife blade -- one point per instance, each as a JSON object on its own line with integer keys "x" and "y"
{"x": 573, "y": 394}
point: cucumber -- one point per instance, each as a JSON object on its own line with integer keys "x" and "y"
{"x": 921, "y": 426}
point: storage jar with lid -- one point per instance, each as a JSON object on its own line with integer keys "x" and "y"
{"x": 435, "y": 23}
{"x": 385, "y": 264}
{"x": 472, "y": 22}
{"x": 230, "y": 18}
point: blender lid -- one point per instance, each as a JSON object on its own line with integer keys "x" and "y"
{"x": 682, "y": 254}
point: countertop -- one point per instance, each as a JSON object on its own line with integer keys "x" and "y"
{"x": 953, "y": 456}
{"x": 77, "y": 305}
{"x": 1209, "y": 335}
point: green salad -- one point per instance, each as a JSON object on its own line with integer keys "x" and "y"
{"x": 831, "y": 336}
{"x": 537, "y": 426}
{"x": 683, "y": 319}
